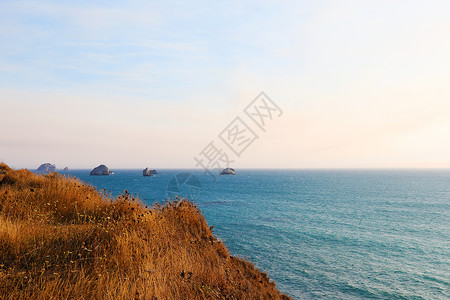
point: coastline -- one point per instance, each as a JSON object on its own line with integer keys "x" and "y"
{"x": 60, "y": 238}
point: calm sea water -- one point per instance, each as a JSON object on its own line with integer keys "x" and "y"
{"x": 324, "y": 234}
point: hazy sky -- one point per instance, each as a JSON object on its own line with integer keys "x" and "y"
{"x": 362, "y": 84}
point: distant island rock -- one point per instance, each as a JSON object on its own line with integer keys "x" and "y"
{"x": 228, "y": 171}
{"x": 101, "y": 170}
{"x": 66, "y": 169}
{"x": 148, "y": 172}
{"x": 46, "y": 168}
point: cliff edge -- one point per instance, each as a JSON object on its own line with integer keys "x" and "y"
{"x": 60, "y": 238}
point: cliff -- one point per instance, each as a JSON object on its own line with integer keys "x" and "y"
{"x": 60, "y": 239}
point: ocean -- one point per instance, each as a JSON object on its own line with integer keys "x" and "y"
{"x": 329, "y": 234}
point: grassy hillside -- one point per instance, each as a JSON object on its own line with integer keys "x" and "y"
{"x": 61, "y": 239}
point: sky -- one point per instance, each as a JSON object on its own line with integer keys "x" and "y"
{"x": 359, "y": 84}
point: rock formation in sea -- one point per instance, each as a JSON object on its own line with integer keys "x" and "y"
{"x": 147, "y": 172}
{"x": 66, "y": 169}
{"x": 228, "y": 171}
{"x": 101, "y": 170}
{"x": 46, "y": 168}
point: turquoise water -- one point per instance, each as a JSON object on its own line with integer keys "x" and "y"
{"x": 325, "y": 234}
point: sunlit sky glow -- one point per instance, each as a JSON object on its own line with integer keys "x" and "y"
{"x": 362, "y": 84}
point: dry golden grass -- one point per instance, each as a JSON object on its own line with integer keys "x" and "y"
{"x": 61, "y": 239}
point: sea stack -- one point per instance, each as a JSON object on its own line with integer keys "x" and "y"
{"x": 228, "y": 171}
{"x": 101, "y": 170}
{"x": 66, "y": 169}
{"x": 146, "y": 172}
{"x": 46, "y": 168}
{"x": 149, "y": 172}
